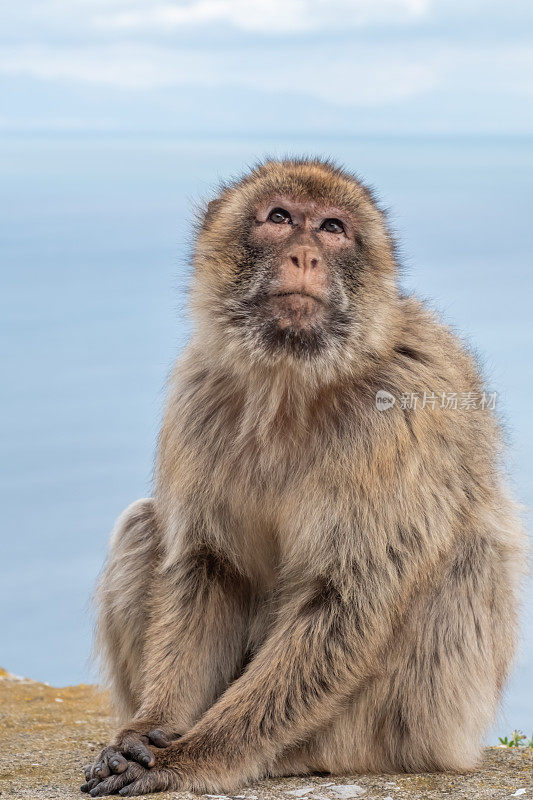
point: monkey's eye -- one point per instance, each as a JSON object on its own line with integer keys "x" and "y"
{"x": 279, "y": 215}
{"x": 332, "y": 226}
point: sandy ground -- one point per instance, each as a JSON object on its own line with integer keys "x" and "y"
{"x": 49, "y": 734}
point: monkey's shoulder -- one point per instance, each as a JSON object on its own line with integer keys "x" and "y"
{"x": 428, "y": 354}
{"x": 430, "y": 392}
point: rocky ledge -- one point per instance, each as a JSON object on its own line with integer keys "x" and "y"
{"x": 49, "y": 734}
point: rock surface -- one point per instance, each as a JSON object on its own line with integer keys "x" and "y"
{"x": 49, "y": 734}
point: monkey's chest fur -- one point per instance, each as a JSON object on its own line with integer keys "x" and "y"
{"x": 246, "y": 475}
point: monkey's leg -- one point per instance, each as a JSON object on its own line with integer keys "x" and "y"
{"x": 193, "y": 647}
{"x": 441, "y": 677}
{"x": 122, "y": 600}
{"x": 448, "y": 665}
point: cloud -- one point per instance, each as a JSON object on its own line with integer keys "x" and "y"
{"x": 93, "y": 20}
{"x": 340, "y": 78}
{"x": 358, "y": 59}
{"x": 350, "y": 75}
{"x": 280, "y": 16}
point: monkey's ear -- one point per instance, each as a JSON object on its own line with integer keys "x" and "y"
{"x": 211, "y": 210}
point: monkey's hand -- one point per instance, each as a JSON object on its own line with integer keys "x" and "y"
{"x": 131, "y": 745}
{"x": 172, "y": 769}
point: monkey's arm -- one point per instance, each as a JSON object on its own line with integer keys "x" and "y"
{"x": 195, "y": 637}
{"x": 326, "y": 641}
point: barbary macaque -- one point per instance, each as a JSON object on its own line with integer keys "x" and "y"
{"x": 321, "y": 582}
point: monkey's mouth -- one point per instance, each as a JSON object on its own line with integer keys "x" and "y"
{"x": 295, "y": 308}
{"x": 293, "y": 322}
{"x": 297, "y": 293}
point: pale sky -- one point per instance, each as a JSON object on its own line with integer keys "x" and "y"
{"x": 229, "y": 67}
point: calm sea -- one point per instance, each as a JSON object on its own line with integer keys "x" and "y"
{"x": 94, "y": 239}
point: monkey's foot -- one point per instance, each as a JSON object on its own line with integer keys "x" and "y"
{"x": 130, "y": 745}
{"x": 137, "y": 780}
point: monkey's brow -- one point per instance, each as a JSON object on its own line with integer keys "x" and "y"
{"x": 329, "y": 207}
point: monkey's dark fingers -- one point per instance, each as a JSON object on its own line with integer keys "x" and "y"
{"x": 155, "y": 780}
{"x": 90, "y": 784}
{"x": 118, "y": 763}
{"x": 160, "y": 738}
{"x": 114, "y": 783}
{"x": 101, "y": 767}
{"x": 109, "y": 761}
{"x": 134, "y": 747}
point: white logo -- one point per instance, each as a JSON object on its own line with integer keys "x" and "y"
{"x": 384, "y": 400}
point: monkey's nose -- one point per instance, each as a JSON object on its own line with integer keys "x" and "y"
{"x": 305, "y": 258}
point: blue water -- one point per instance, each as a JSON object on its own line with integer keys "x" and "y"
{"x": 94, "y": 235}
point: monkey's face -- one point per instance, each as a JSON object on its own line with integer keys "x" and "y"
{"x": 302, "y": 259}
{"x": 296, "y": 297}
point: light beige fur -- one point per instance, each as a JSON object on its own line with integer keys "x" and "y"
{"x": 316, "y": 585}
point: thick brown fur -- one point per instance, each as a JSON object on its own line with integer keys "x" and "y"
{"x": 316, "y": 585}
